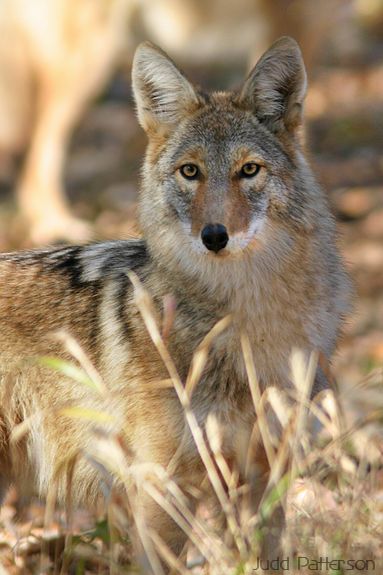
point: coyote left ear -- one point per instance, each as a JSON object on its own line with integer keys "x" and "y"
{"x": 161, "y": 91}
{"x": 276, "y": 87}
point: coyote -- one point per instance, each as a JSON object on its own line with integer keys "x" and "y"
{"x": 234, "y": 223}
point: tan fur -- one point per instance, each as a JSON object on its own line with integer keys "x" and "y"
{"x": 280, "y": 278}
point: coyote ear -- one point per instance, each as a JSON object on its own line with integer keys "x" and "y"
{"x": 161, "y": 91}
{"x": 276, "y": 87}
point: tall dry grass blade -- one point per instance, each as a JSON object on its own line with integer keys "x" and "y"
{"x": 257, "y": 398}
{"x": 200, "y": 355}
{"x": 49, "y": 511}
{"x": 216, "y": 482}
{"x": 214, "y": 436}
{"x": 279, "y": 480}
{"x": 180, "y": 502}
{"x": 69, "y": 509}
{"x": 177, "y": 517}
{"x": 150, "y": 552}
{"x": 281, "y": 407}
{"x": 146, "y": 308}
{"x": 94, "y": 415}
{"x": 303, "y": 375}
{"x": 113, "y": 545}
{"x": 167, "y": 555}
{"x": 22, "y": 429}
{"x": 76, "y": 351}
{"x": 330, "y": 405}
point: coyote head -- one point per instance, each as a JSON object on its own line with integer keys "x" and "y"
{"x": 224, "y": 175}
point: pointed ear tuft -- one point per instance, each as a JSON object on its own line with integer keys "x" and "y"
{"x": 162, "y": 93}
{"x": 276, "y": 87}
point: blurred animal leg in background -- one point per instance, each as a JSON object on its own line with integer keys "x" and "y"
{"x": 40, "y": 190}
{"x": 74, "y": 47}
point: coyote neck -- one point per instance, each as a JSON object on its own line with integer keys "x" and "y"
{"x": 260, "y": 303}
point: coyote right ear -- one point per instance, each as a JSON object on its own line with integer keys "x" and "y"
{"x": 161, "y": 91}
{"x": 275, "y": 89}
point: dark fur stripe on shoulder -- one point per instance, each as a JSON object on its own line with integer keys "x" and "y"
{"x": 84, "y": 264}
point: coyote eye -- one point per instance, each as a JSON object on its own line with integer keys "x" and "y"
{"x": 189, "y": 171}
{"x": 249, "y": 170}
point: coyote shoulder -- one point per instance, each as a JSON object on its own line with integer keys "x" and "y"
{"x": 234, "y": 223}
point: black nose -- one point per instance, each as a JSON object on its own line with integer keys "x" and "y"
{"x": 214, "y": 237}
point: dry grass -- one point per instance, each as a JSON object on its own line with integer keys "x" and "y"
{"x": 324, "y": 457}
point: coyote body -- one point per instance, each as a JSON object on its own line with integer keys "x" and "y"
{"x": 233, "y": 223}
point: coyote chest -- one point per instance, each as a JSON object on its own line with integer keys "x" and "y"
{"x": 272, "y": 332}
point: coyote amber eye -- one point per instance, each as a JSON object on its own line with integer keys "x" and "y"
{"x": 249, "y": 170}
{"x": 189, "y": 171}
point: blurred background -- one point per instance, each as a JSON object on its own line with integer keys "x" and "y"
{"x": 71, "y": 148}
